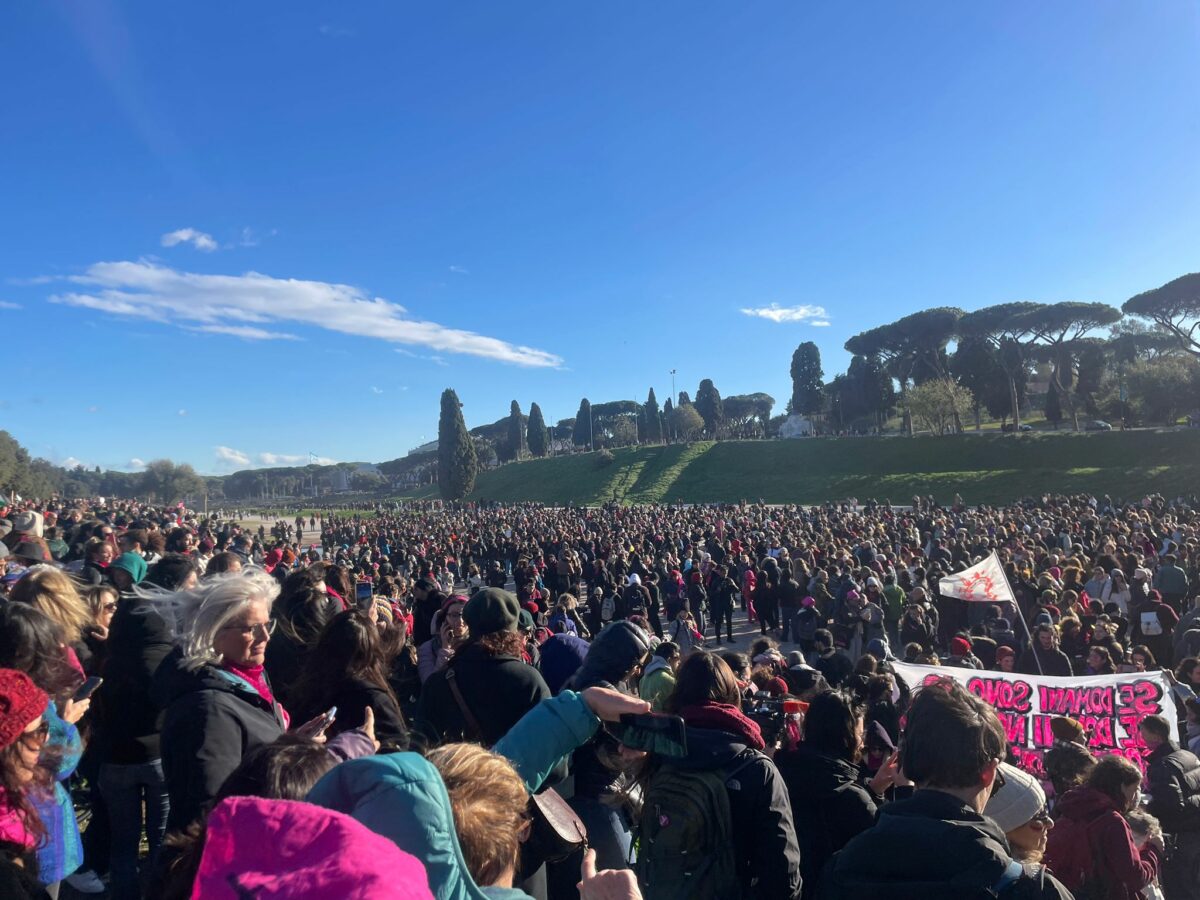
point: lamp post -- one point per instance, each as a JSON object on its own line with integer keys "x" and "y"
{"x": 674, "y": 403}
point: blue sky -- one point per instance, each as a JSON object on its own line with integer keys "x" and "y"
{"x": 246, "y": 231}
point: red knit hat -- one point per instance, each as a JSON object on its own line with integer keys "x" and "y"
{"x": 21, "y": 701}
{"x": 960, "y": 647}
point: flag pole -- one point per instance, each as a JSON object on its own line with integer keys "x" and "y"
{"x": 1017, "y": 605}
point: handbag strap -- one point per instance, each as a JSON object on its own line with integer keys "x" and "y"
{"x": 474, "y": 732}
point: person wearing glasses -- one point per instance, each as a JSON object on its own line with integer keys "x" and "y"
{"x": 1018, "y": 806}
{"x": 23, "y": 732}
{"x": 214, "y": 689}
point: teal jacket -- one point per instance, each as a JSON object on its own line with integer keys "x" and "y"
{"x": 402, "y": 797}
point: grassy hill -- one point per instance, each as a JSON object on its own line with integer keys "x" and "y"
{"x": 984, "y": 468}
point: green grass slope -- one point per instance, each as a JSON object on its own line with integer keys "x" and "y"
{"x": 985, "y": 468}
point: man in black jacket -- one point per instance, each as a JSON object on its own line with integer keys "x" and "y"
{"x": 1173, "y": 776}
{"x": 938, "y": 843}
{"x": 427, "y": 600}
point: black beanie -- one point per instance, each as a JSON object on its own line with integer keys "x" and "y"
{"x": 491, "y": 610}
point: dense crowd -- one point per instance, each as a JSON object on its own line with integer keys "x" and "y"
{"x": 513, "y": 701}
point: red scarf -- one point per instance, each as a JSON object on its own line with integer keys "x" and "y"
{"x": 253, "y": 675}
{"x": 724, "y": 717}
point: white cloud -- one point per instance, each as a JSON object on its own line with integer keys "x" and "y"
{"x": 182, "y": 412}
{"x": 197, "y": 239}
{"x": 71, "y": 462}
{"x": 293, "y": 459}
{"x": 136, "y": 463}
{"x": 93, "y": 409}
{"x": 6, "y": 304}
{"x": 375, "y": 390}
{"x": 148, "y": 290}
{"x": 459, "y": 270}
{"x": 247, "y": 332}
{"x": 233, "y": 457}
{"x": 819, "y": 323}
{"x": 777, "y": 313}
{"x": 337, "y": 31}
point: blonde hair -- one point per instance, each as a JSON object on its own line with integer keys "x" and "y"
{"x": 53, "y": 592}
{"x": 95, "y": 597}
{"x": 489, "y": 802}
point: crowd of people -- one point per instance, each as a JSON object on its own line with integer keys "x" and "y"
{"x": 515, "y": 701}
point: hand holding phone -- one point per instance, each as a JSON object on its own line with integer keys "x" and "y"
{"x": 88, "y": 688}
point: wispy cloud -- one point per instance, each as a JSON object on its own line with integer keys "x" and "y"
{"x": 182, "y": 412}
{"x": 375, "y": 390}
{"x": 336, "y": 31}
{"x": 819, "y": 323}
{"x": 246, "y": 332}
{"x": 197, "y": 239}
{"x": 71, "y": 462}
{"x": 293, "y": 459}
{"x": 459, "y": 270}
{"x": 229, "y": 456}
{"x": 152, "y": 291}
{"x": 6, "y": 304}
{"x": 777, "y": 313}
{"x": 136, "y": 464}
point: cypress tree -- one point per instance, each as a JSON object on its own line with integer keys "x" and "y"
{"x": 516, "y": 432}
{"x": 457, "y": 462}
{"x": 582, "y": 436}
{"x": 653, "y": 424}
{"x": 538, "y": 438}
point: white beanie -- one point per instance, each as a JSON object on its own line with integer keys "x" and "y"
{"x": 1017, "y": 802}
{"x": 635, "y": 578}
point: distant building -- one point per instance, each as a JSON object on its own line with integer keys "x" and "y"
{"x": 796, "y": 426}
{"x": 339, "y": 480}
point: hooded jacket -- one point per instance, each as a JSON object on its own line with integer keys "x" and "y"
{"x": 402, "y": 797}
{"x": 296, "y": 849}
{"x": 929, "y": 844}
{"x": 1091, "y": 841}
{"x": 212, "y": 720}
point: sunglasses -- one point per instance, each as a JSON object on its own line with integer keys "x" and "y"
{"x": 33, "y": 740}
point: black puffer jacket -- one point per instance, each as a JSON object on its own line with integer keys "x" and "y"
{"x": 932, "y": 845}
{"x": 764, "y": 837}
{"x": 1174, "y": 787}
{"x": 213, "y": 719}
{"x": 829, "y": 807}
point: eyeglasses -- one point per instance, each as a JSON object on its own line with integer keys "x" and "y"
{"x": 33, "y": 740}
{"x": 1042, "y": 819}
{"x": 110, "y": 607}
{"x": 266, "y": 629}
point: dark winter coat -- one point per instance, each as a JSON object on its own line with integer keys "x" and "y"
{"x": 765, "y": 846}
{"x": 1054, "y": 662}
{"x": 498, "y": 690}
{"x": 213, "y": 719}
{"x": 1091, "y": 842}
{"x": 1173, "y": 777}
{"x": 129, "y": 720}
{"x": 926, "y": 845}
{"x": 829, "y": 807}
{"x": 351, "y": 698}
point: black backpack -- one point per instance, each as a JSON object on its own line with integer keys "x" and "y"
{"x": 685, "y": 839}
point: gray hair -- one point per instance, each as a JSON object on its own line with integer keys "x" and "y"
{"x": 203, "y": 611}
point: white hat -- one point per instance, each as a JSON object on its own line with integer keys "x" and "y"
{"x": 873, "y": 582}
{"x": 635, "y": 578}
{"x": 1017, "y": 801}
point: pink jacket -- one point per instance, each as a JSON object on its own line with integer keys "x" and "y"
{"x": 272, "y": 849}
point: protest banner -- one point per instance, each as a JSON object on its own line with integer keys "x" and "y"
{"x": 1110, "y": 707}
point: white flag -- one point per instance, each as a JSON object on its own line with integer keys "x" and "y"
{"x": 983, "y": 583}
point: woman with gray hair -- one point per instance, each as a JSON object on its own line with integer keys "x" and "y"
{"x": 217, "y": 699}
